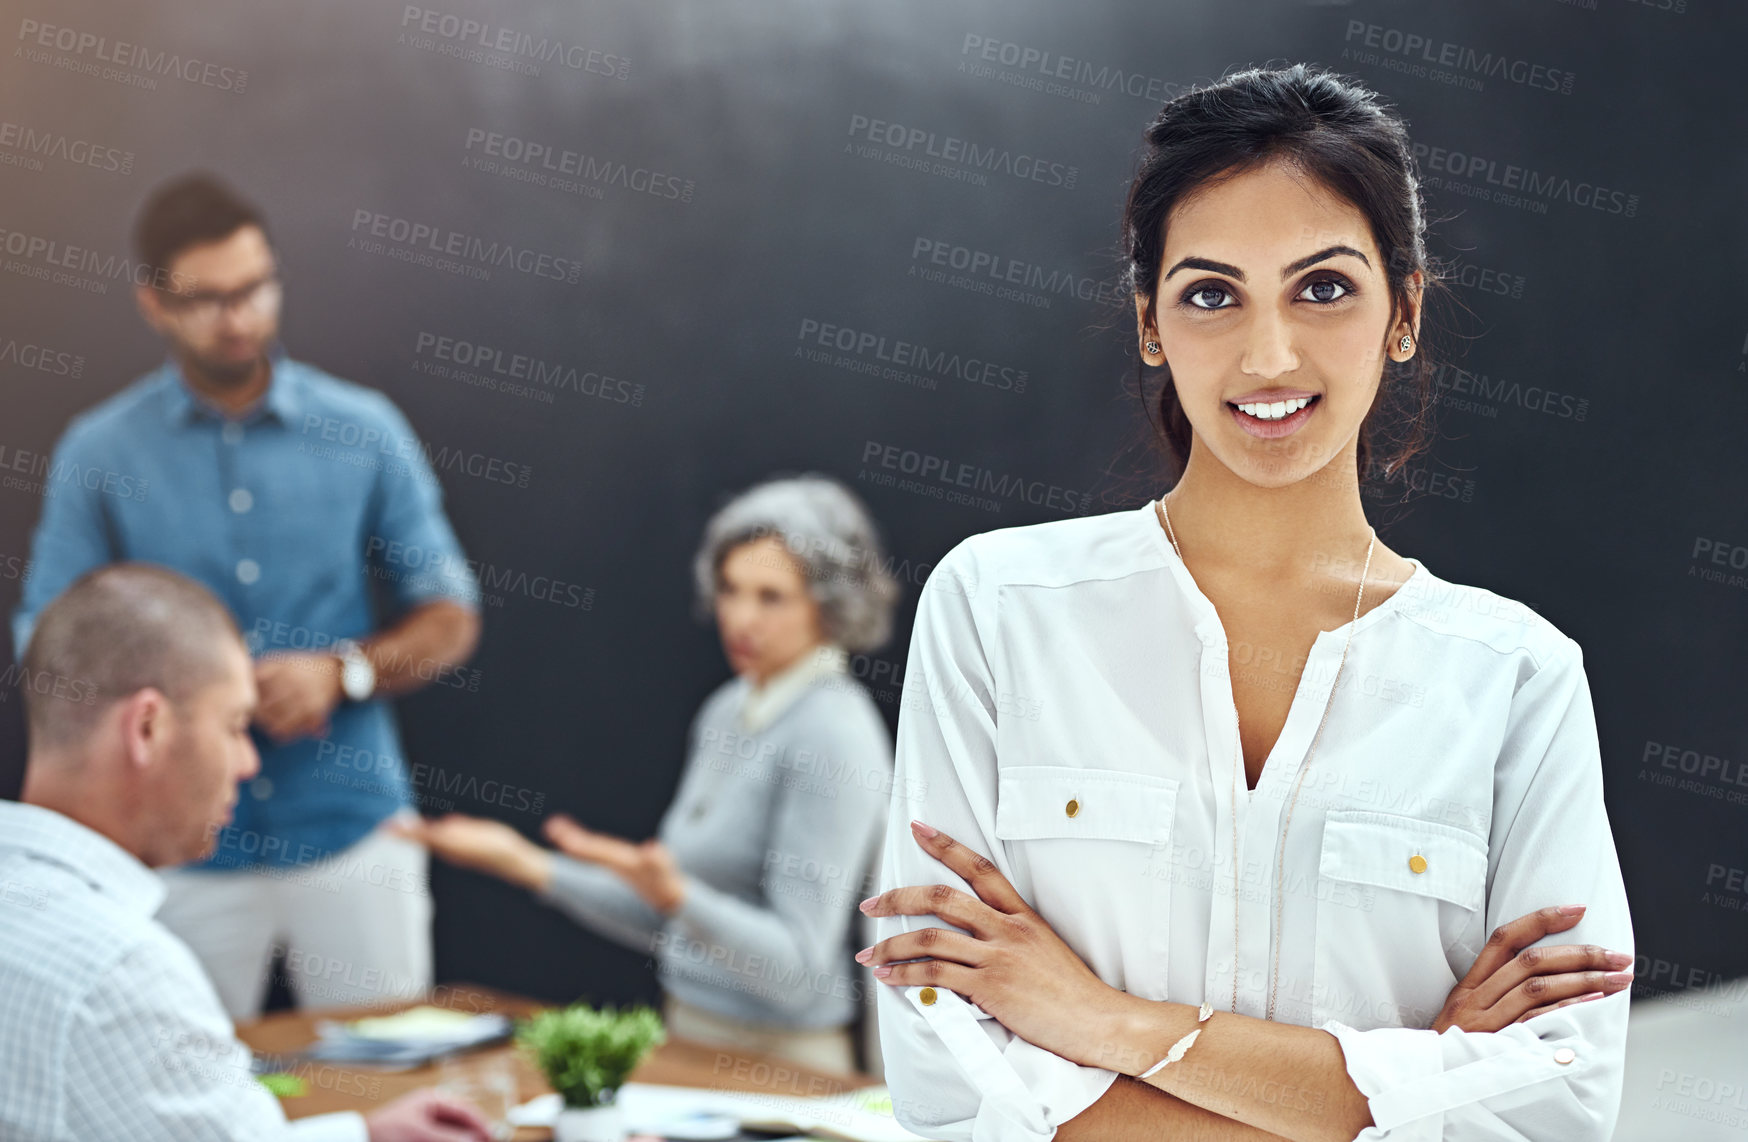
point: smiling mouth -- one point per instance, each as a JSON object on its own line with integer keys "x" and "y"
{"x": 1273, "y": 410}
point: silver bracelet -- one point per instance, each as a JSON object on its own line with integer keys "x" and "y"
{"x": 1179, "y": 1048}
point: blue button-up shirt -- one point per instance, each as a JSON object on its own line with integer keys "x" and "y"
{"x": 289, "y": 513}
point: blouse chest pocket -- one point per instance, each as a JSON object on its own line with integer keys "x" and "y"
{"x": 1090, "y": 850}
{"x": 1404, "y": 905}
{"x": 1038, "y": 801}
{"x": 1405, "y": 853}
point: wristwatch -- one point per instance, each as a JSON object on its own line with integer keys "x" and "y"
{"x": 357, "y": 675}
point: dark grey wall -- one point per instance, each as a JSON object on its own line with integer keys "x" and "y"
{"x": 1592, "y": 464}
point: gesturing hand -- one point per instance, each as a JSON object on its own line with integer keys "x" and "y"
{"x": 480, "y": 844}
{"x": 1512, "y": 982}
{"x": 647, "y": 867}
{"x": 1013, "y": 964}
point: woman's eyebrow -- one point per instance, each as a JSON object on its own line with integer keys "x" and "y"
{"x": 1231, "y": 271}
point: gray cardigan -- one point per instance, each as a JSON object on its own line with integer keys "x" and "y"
{"x": 779, "y": 831}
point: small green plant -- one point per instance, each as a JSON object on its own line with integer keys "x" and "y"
{"x": 585, "y": 1053}
{"x": 284, "y": 1085}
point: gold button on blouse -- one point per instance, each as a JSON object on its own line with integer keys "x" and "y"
{"x": 1565, "y": 1055}
{"x": 1073, "y": 807}
{"x": 927, "y": 995}
{"x": 1417, "y": 863}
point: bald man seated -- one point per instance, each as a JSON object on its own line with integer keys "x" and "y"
{"x": 138, "y": 695}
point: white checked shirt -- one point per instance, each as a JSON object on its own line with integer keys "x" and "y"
{"x": 108, "y": 1027}
{"x": 1068, "y": 712}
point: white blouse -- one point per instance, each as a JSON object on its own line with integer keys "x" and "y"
{"x": 1077, "y": 661}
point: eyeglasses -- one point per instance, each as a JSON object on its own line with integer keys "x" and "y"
{"x": 203, "y": 310}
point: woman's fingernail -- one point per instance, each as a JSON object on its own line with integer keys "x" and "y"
{"x": 1617, "y": 959}
{"x": 864, "y": 955}
{"x": 868, "y": 903}
{"x": 925, "y": 830}
{"x": 1573, "y": 909}
{"x": 1617, "y": 978}
{"x": 883, "y": 970}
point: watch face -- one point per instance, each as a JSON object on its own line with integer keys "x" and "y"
{"x": 357, "y": 678}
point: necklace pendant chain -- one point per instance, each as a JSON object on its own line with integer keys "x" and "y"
{"x": 1238, "y": 764}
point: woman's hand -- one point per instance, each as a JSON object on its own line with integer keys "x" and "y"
{"x": 1512, "y": 982}
{"x": 1013, "y": 965}
{"x": 486, "y": 846}
{"x": 648, "y": 868}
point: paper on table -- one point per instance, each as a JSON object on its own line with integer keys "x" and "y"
{"x": 679, "y": 1118}
{"x": 406, "y": 1039}
{"x": 863, "y": 1115}
{"x": 421, "y": 1022}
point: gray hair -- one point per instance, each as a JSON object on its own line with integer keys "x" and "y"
{"x": 833, "y": 539}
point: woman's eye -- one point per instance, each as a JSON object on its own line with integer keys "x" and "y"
{"x": 1209, "y": 293}
{"x": 1323, "y": 290}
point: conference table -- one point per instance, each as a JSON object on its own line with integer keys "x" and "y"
{"x": 676, "y": 1062}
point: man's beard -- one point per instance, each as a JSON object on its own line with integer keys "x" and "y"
{"x": 227, "y": 374}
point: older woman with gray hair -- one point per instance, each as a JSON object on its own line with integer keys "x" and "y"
{"x": 746, "y": 897}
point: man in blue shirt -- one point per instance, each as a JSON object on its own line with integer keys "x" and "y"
{"x": 288, "y": 492}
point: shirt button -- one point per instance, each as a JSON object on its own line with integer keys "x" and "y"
{"x": 927, "y": 995}
{"x": 1417, "y": 863}
{"x": 231, "y": 433}
{"x": 1565, "y": 1055}
{"x": 261, "y": 788}
{"x": 1072, "y": 808}
{"x": 248, "y": 571}
{"x": 241, "y": 500}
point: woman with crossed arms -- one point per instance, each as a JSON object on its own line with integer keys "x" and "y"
{"x": 1238, "y": 824}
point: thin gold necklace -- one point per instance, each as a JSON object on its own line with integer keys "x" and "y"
{"x": 1238, "y": 764}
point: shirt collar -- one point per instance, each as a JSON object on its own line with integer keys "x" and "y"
{"x": 281, "y": 399}
{"x": 93, "y": 857}
{"x": 764, "y": 702}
